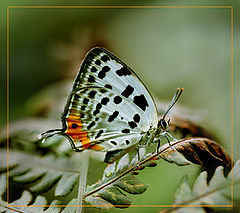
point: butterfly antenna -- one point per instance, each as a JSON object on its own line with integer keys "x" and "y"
{"x": 173, "y": 101}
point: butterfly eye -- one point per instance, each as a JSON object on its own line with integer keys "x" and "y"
{"x": 163, "y": 124}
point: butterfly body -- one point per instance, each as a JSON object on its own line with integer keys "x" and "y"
{"x": 109, "y": 108}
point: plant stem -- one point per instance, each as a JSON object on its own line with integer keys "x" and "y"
{"x": 82, "y": 180}
{"x": 132, "y": 168}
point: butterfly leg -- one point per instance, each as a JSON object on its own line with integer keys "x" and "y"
{"x": 167, "y": 134}
{"x": 138, "y": 154}
{"x": 138, "y": 167}
{"x": 167, "y": 137}
{"x": 158, "y": 145}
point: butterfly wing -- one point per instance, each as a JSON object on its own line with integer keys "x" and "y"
{"x": 109, "y": 108}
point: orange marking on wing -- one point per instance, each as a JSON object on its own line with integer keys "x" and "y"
{"x": 96, "y": 147}
{"x": 75, "y": 131}
{"x": 74, "y": 116}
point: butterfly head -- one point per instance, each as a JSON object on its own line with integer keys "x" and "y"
{"x": 163, "y": 124}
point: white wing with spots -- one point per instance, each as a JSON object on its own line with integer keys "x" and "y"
{"x": 114, "y": 107}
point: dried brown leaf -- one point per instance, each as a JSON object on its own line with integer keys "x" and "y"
{"x": 200, "y": 151}
{"x": 188, "y": 128}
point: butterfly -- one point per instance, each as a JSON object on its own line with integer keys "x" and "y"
{"x": 109, "y": 108}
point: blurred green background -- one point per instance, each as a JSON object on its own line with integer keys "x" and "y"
{"x": 167, "y": 48}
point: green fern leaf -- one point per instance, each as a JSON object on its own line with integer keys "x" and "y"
{"x": 131, "y": 185}
{"x": 22, "y": 204}
{"x": 71, "y": 207}
{"x": 43, "y": 172}
{"x": 117, "y": 177}
{"x": 216, "y": 192}
{"x": 66, "y": 184}
{"x": 47, "y": 182}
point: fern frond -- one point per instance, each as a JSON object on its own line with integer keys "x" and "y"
{"x": 43, "y": 172}
{"x": 216, "y": 192}
{"x": 120, "y": 175}
{"x": 39, "y": 204}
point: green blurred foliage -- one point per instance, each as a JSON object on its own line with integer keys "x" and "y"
{"x": 167, "y": 47}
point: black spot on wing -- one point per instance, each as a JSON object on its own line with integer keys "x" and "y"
{"x": 114, "y": 143}
{"x": 108, "y": 86}
{"x": 93, "y": 69}
{"x": 103, "y": 72}
{"x": 91, "y": 125}
{"x": 123, "y": 72}
{"x": 117, "y": 100}
{"x": 92, "y": 94}
{"x": 113, "y": 116}
{"x": 105, "y": 100}
{"x": 98, "y": 62}
{"x": 91, "y": 79}
{"x": 74, "y": 125}
{"x": 132, "y": 124}
{"x": 95, "y": 112}
{"x": 125, "y": 131}
{"x": 99, "y": 134}
{"x": 127, "y": 142}
{"x": 76, "y": 96}
{"x": 141, "y": 102}
{"x": 136, "y": 118}
{"x": 105, "y": 58}
{"x": 98, "y": 106}
{"x": 83, "y": 107}
{"x": 128, "y": 91}
{"x": 103, "y": 90}
{"x": 85, "y": 101}
{"x": 106, "y": 69}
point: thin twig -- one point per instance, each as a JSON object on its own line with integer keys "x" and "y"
{"x": 82, "y": 181}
